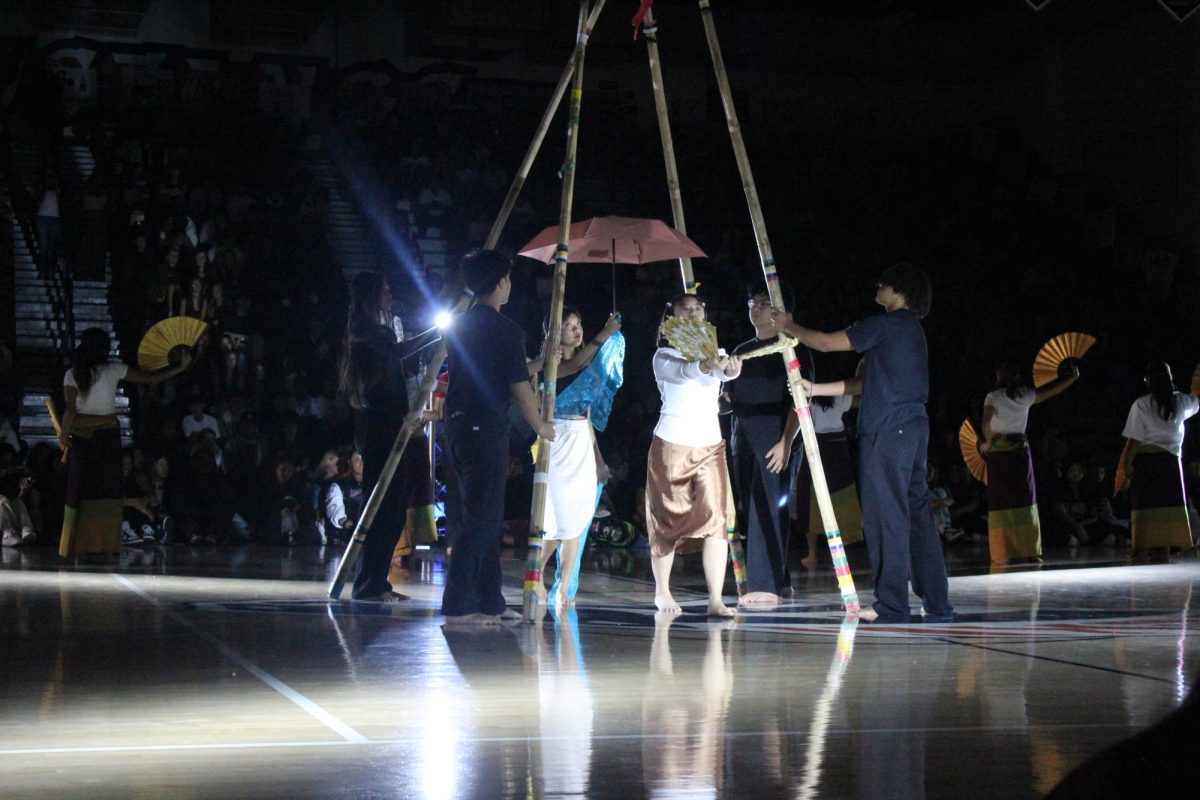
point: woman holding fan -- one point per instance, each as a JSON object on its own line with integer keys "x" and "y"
{"x": 95, "y": 498}
{"x": 1154, "y": 433}
{"x": 1014, "y": 528}
{"x": 686, "y": 474}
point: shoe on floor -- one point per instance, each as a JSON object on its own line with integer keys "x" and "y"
{"x": 28, "y": 536}
{"x": 10, "y": 538}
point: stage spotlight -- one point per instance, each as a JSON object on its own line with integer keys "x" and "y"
{"x": 443, "y": 320}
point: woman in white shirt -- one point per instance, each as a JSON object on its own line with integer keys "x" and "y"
{"x": 92, "y": 436}
{"x": 1154, "y": 433}
{"x": 686, "y": 473}
{"x": 1014, "y": 527}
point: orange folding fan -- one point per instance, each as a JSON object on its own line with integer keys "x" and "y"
{"x": 1119, "y": 476}
{"x": 968, "y": 443}
{"x": 1055, "y": 352}
{"x": 161, "y": 345}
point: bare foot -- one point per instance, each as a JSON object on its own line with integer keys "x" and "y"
{"x": 718, "y": 609}
{"x": 809, "y": 561}
{"x": 867, "y": 614}
{"x": 508, "y": 615}
{"x": 472, "y": 621}
{"x": 758, "y": 599}
{"x": 666, "y": 604}
{"x": 382, "y": 597}
{"x": 561, "y": 601}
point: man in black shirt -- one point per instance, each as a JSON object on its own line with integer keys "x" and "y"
{"x": 893, "y": 440}
{"x": 486, "y": 355}
{"x": 765, "y": 455}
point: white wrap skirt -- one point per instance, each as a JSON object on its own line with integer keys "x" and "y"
{"x": 571, "y": 493}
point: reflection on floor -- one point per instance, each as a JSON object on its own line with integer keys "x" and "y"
{"x": 226, "y": 673}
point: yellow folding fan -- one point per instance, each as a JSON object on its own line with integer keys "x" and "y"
{"x": 161, "y": 346}
{"x": 968, "y": 443}
{"x": 1055, "y": 352}
{"x": 695, "y": 338}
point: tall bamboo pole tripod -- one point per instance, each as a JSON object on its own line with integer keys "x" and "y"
{"x": 413, "y": 421}
{"x": 803, "y": 411}
{"x": 650, "y": 33}
{"x": 541, "y": 472}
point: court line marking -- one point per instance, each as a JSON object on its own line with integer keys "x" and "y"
{"x": 1013, "y": 729}
{"x": 302, "y": 702}
{"x": 1064, "y": 661}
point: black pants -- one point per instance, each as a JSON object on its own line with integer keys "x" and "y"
{"x": 764, "y": 498}
{"x": 901, "y": 538}
{"x": 375, "y": 443}
{"x": 478, "y": 451}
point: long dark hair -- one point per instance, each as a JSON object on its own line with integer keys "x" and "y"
{"x": 1162, "y": 388}
{"x": 360, "y": 362}
{"x": 1010, "y": 378}
{"x": 90, "y": 354}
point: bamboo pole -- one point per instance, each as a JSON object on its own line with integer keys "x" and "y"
{"x": 650, "y": 32}
{"x": 541, "y": 474}
{"x": 828, "y": 518}
{"x": 414, "y": 420}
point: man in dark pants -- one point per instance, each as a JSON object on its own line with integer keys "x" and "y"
{"x": 486, "y": 355}
{"x": 893, "y": 430}
{"x": 765, "y": 455}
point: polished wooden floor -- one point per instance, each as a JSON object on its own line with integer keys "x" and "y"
{"x": 225, "y": 673}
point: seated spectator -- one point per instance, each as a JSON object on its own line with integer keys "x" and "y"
{"x": 278, "y": 511}
{"x": 16, "y": 523}
{"x": 206, "y": 501}
{"x": 940, "y": 503}
{"x": 1076, "y": 510}
{"x": 142, "y": 522}
{"x": 196, "y": 422}
{"x": 344, "y": 498}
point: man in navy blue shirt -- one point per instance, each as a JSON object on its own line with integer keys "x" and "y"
{"x": 487, "y": 369}
{"x": 893, "y": 432}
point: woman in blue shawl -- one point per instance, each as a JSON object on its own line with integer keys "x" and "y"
{"x": 588, "y": 378}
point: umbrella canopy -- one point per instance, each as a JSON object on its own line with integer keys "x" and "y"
{"x": 615, "y": 240}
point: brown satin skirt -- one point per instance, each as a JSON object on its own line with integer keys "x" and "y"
{"x": 685, "y": 494}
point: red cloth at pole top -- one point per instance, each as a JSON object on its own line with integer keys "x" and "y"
{"x": 642, "y": 11}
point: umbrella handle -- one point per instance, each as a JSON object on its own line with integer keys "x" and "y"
{"x": 614, "y": 275}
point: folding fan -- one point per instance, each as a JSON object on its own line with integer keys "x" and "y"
{"x": 160, "y": 346}
{"x": 968, "y": 443}
{"x": 1055, "y": 352}
{"x": 1196, "y": 380}
{"x": 1119, "y": 476}
{"x": 695, "y": 338}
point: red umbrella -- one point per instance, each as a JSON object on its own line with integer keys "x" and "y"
{"x": 615, "y": 240}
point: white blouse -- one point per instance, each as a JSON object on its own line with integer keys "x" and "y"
{"x": 829, "y": 420}
{"x": 101, "y": 399}
{"x": 1147, "y": 426}
{"x": 688, "y": 416}
{"x": 1011, "y": 414}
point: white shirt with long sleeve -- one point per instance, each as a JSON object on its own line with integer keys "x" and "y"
{"x": 688, "y": 416}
